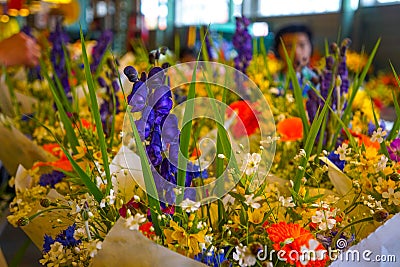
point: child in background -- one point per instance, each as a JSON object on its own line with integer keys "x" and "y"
{"x": 298, "y": 37}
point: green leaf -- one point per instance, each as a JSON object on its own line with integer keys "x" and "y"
{"x": 396, "y": 126}
{"x": 265, "y": 56}
{"x": 96, "y": 114}
{"x": 69, "y": 129}
{"x": 91, "y": 186}
{"x": 186, "y": 133}
{"x": 356, "y": 85}
{"x": 151, "y": 189}
{"x": 382, "y": 145}
{"x": 345, "y": 128}
{"x": 310, "y": 141}
{"x": 298, "y": 94}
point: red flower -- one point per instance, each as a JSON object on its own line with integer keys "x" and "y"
{"x": 87, "y": 125}
{"x": 290, "y": 129}
{"x": 291, "y": 241}
{"x": 131, "y": 205}
{"x": 147, "y": 229}
{"x": 247, "y": 117}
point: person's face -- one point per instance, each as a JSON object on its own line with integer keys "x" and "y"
{"x": 302, "y": 46}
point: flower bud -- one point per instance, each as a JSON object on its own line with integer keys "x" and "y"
{"x": 23, "y": 221}
{"x": 131, "y": 73}
{"x": 255, "y": 248}
{"x": 45, "y": 203}
{"x": 85, "y": 215}
{"x": 259, "y": 230}
{"x": 234, "y": 241}
{"x": 380, "y": 215}
{"x": 226, "y": 263}
{"x": 394, "y": 177}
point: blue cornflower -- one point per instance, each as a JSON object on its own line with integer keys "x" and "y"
{"x": 335, "y": 158}
{"x": 193, "y": 171}
{"x": 51, "y": 178}
{"x": 66, "y": 238}
{"x": 372, "y": 127}
{"x": 210, "y": 258}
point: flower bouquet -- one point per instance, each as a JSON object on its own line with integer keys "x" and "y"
{"x": 210, "y": 179}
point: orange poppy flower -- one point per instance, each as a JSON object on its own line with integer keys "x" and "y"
{"x": 292, "y": 239}
{"x": 62, "y": 163}
{"x": 290, "y": 129}
{"x": 363, "y": 139}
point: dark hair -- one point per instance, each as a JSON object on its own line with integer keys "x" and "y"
{"x": 187, "y": 51}
{"x": 293, "y": 28}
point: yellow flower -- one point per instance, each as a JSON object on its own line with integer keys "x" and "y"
{"x": 255, "y": 216}
{"x": 186, "y": 243}
{"x": 355, "y": 62}
{"x": 362, "y": 103}
{"x": 383, "y": 185}
{"x": 393, "y": 197}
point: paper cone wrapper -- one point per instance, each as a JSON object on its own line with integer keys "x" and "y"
{"x": 124, "y": 247}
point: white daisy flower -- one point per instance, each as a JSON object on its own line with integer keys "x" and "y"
{"x": 190, "y": 205}
{"x": 133, "y": 222}
{"x": 378, "y": 135}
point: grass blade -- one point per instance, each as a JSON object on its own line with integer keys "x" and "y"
{"x": 92, "y": 187}
{"x": 298, "y": 95}
{"x": 95, "y": 110}
{"x": 382, "y": 145}
{"x": 396, "y": 126}
{"x": 71, "y": 137}
{"x": 356, "y": 86}
{"x": 151, "y": 189}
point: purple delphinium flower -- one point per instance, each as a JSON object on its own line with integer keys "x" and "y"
{"x": 59, "y": 39}
{"x": 193, "y": 171}
{"x": 394, "y": 150}
{"x": 242, "y": 42}
{"x": 66, "y": 238}
{"x": 51, "y": 178}
{"x": 100, "y": 49}
{"x": 342, "y": 69}
{"x": 327, "y": 77}
{"x": 312, "y": 105}
{"x": 159, "y": 130}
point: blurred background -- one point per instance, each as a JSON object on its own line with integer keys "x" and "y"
{"x": 176, "y": 23}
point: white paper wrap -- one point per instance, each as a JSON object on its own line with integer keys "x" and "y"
{"x": 380, "y": 249}
{"x": 123, "y": 247}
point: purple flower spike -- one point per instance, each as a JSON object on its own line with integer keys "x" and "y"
{"x": 394, "y": 150}
{"x": 243, "y": 44}
{"x": 138, "y": 99}
{"x": 170, "y": 129}
{"x": 131, "y": 73}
